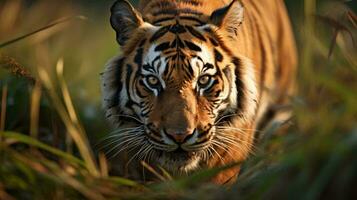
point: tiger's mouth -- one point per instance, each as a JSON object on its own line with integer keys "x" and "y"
{"x": 179, "y": 156}
{"x": 179, "y": 160}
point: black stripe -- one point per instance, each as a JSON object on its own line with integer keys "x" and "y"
{"x": 158, "y": 34}
{"x": 153, "y": 63}
{"x": 207, "y": 66}
{"x": 218, "y": 56}
{"x": 239, "y": 84}
{"x": 203, "y": 136}
{"x": 211, "y": 88}
{"x": 179, "y": 43}
{"x": 145, "y": 112}
{"x": 177, "y": 29}
{"x": 118, "y": 75}
{"x": 153, "y": 129}
{"x": 193, "y": 2}
{"x": 214, "y": 42}
{"x": 161, "y": 4}
{"x": 192, "y": 46}
{"x": 175, "y": 12}
{"x": 142, "y": 43}
{"x": 141, "y": 82}
{"x": 208, "y": 30}
{"x": 190, "y": 70}
{"x": 165, "y": 4}
{"x": 196, "y": 33}
{"x": 139, "y": 57}
{"x": 174, "y": 43}
{"x": 218, "y": 93}
{"x": 148, "y": 68}
{"x": 163, "y": 46}
{"x": 167, "y": 68}
{"x": 129, "y": 71}
{"x": 158, "y": 21}
{"x": 190, "y": 18}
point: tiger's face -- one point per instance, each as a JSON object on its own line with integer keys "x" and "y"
{"x": 181, "y": 87}
{"x": 170, "y": 89}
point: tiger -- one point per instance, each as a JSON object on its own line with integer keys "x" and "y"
{"x": 195, "y": 82}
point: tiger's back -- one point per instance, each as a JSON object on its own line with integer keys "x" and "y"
{"x": 200, "y": 77}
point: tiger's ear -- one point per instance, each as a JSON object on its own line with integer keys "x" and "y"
{"x": 124, "y": 20}
{"x": 229, "y": 18}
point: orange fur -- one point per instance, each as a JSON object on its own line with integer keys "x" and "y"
{"x": 260, "y": 39}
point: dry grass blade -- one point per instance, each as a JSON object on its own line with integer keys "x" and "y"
{"x": 70, "y": 107}
{"x": 14, "y": 67}
{"x": 152, "y": 170}
{"x": 165, "y": 173}
{"x": 333, "y": 42}
{"x": 338, "y": 27}
{"x": 66, "y": 96}
{"x": 11, "y": 138}
{"x": 40, "y": 29}
{"x": 77, "y": 134}
{"x": 103, "y": 163}
{"x": 35, "y": 109}
{"x": 50, "y": 169}
{"x": 87, "y": 192}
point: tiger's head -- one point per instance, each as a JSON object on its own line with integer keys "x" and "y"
{"x": 176, "y": 86}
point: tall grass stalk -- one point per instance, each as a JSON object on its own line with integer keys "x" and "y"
{"x": 309, "y": 35}
{"x": 35, "y": 109}
{"x": 103, "y": 164}
{"x": 61, "y": 21}
{"x": 72, "y": 125}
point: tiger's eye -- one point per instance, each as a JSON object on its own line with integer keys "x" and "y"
{"x": 152, "y": 80}
{"x": 204, "y": 80}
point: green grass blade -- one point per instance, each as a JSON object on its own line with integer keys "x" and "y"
{"x": 35, "y": 143}
{"x": 124, "y": 181}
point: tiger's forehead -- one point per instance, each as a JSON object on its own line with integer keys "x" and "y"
{"x": 175, "y": 61}
{"x": 177, "y": 48}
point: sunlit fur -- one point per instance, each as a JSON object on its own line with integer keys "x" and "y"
{"x": 245, "y": 47}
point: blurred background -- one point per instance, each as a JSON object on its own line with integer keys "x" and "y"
{"x": 315, "y": 158}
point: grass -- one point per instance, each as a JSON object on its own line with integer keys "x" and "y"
{"x": 51, "y": 115}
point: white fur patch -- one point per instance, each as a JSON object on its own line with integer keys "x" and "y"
{"x": 159, "y": 66}
{"x": 178, "y": 167}
{"x": 198, "y": 65}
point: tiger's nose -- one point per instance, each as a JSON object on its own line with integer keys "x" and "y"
{"x": 179, "y": 135}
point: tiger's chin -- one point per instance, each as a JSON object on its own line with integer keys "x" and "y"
{"x": 179, "y": 162}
